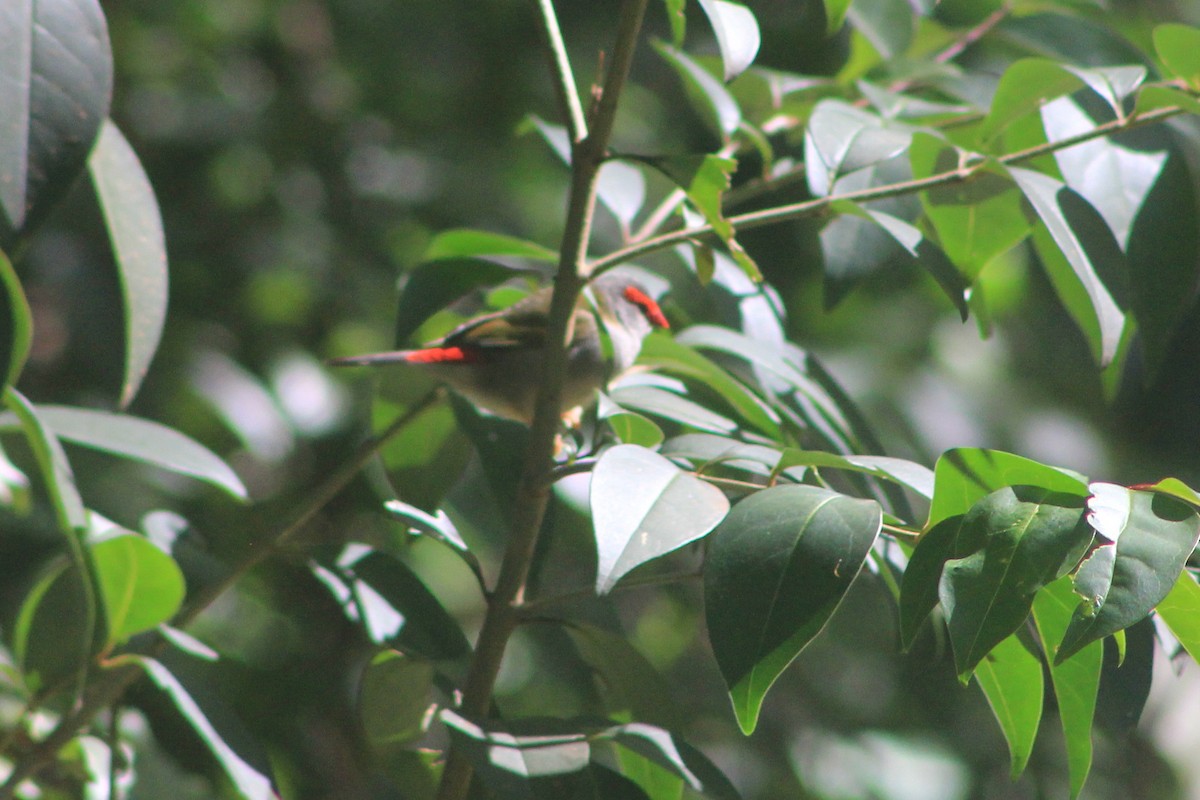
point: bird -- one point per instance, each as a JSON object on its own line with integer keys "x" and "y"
{"x": 494, "y": 360}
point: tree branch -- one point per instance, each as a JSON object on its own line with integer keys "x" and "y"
{"x": 564, "y": 83}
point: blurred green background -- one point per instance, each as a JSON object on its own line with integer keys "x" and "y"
{"x": 304, "y": 152}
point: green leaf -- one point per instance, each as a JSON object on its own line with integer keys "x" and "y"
{"x": 1179, "y": 48}
{"x": 835, "y": 15}
{"x": 630, "y": 682}
{"x": 1011, "y": 679}
{"x": 469, "y": 243}
{"x": 1180, "y": 610}
{"x": 139, "y": 246}
{"x": 630, "y": 428}
{"x": 643, "y": 507}
{"x": 140, "y": 585}
{"x": 54, "y": 632}
{"x": 436, "y": 526}
{"x": 887, "y": 24}
{"x": 432, "y": 286}
{"x": 671, "y": 751}
{"x": 1154, "y": 97}
{"x": 248, "y": 782}
{"x": 964, "y": 476}
{"x": 1029, "y": 537}
{"x": 1121, "y": 583}
{"x": 777, "y": 568}
{"x": 16, "y": 324}
{"x": 842, "y": 138}
{"x": 737, "y": 34}
{"x": 1076, "y": 681}
{"x": 975, "y": 220}
{"x": 668, "y": 405}
{"x": 1088, "y": 258}
{"x": 394, "y": 697}
{"x": 52, "y": 461}
{"x": 678, "y": 19}
{"x": 140, "y": 440}
{"x": 910, "y": 474}
{"x": 1113, "y": 179}
{"x": 424, "y": 460}
{"x": 1025, "y": 87}
{"x": 512, "y": 760}
{"x": 55, "y": 86}
{"x": 707, "y": 94}
{"x": 919, "y": 586}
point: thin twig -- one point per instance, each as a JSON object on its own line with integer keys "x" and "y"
{"x": 564, "y": 83}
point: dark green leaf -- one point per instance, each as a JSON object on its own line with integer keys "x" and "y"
{"x": 140, "y": 585}
{"x": 248, "y": 782}
{"x": 394, "y": 697}
{"x": 919, "y": 586}
{"x": 643, "y": 506}
{"x": 835, "y": 15}
{"x": 425, "y": 459}
{"x": 1179, "y": 48}
{"x": 55, "y": 86}
{"x": 1011, "y": 679}
{"x": 1076, "y": 680}
{"x": 887, "y": 24}
{"x": 714, "y": 102}
{"x": 1029, "y": 536}
{"x": 914, "y": 476}
{"x": 16, "y": 324}
{"x": 629, "y": 682}
{"x": 432, "y": 286}
{"x": 671, "y": 751}
{"x": 139, "y": 249}
{"x": 54, "y": 632}
{"x": 52, "y": 461}
{"x": 1121, "y": 583}
{"x": 777, "y": 568}
{"x": 141, "y": 440}
{"x": 737, "y": 34}
{"x": 963, "y": 476}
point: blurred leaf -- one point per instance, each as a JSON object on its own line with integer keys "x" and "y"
{"x": 630, "y": 428}
{"x": 248, "y": 782}
{"x": 135, "y": 230}
{"x": 630, "y": 682}
{"x": 658, "y": 782}
{"x": 963, "y": 476}
{"x": 835, "y": 15}
{"x": 668, "y": 405}
{"x": 948, "y": 539}
{"x": 1179, "y": 48}
{"x": 140, "y": 440}
{"x": 14, "y": 486}
{"x": 426, "y": 458}
{"x": 1011, "y": 679}
{"x": 1154, "y": 97}
{"x": 1030, "y": 536}
{"x": 707, "y": 95}
{"x": 140, "y": 585}
{"x": 1026, "y": 86}
{"x": 671, "y": 751}
{"x": 469, "y": 243}
{"x": 1076, "y": 681}
{"x": 394, "y": 697}
{"x": 1121, "y": 583}
{"x": 1173, "y": 487}
{"x": 842, "y": 138}
{"x": 1114, "y": 179}
{"x": 643, "y": 506}
{"x": 1180, "y": 610}
{"x": 887, "y": 24}
{"x": 501, "y": 447}
{"x": 678, "y": 20}
{"x": 737, "y": 34}
{"x": 434, "y": 285}
{"x": 910, "y": 474}
{"x": 1089, "y": 257}
{"x": 55, "y": 628}
{"x": 437, "y": 526}
{"x": 975, "y": 220}
{"x": 52, "y": 462}
{"x": 16, "y": 323}
{"x": 428, "y": 629}
{"x": 1113, "y": 84}
{"x": 777, "y": 568}
{"x": 55, "y": 86}
{"x": 513, "y": 761}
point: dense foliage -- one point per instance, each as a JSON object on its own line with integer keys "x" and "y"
{"x": 546, "y": 613}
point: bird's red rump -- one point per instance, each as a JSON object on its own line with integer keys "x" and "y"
{"x": 648, "y": 306}
{"x": 443, "y": 355}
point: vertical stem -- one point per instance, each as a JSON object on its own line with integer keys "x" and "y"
{"x": 564, "y": 78}
{"x": 533, "y": 493}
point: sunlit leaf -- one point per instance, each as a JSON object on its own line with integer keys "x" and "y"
{"x": 1179, "y": 48}
{"x": 469, "y": 243}
{"x": 777, "y": 568}
{"x": 140, "y": 585}
{"x": 643, "y": 506}
{"x": 1122, "y": 582}
{"x": 737, "y": 34}
{"x": 139, "y": 246}
{"x": 667, "y": 405}
{"x": 672, "y": 752}
{"x": 1025, "y": 86}
{"x": 835, "y": 15}
{"x": 1011, "y": 679}
{"x": 842, "y": 138}
{"x": 963, "y": 476}
{"x": 1180, "y": 610}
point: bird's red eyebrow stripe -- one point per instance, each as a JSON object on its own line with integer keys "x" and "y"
{"x": 443, "y": 355}
{"x": 648, "y": 306}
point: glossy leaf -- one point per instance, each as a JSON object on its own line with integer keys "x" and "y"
{"x": 1180, "y": 610}
{"x": 1011, "y": 679}
{"x": 963, "y": 476}
{"x": 247, "y": 781}
{"x": 1076, "y": 681}
{"x": 672, "y": 752}
{"x": 437, "y": 526}
{"x": 737, "y": 34}
{"x": 1088, "y": 259}
{"x": 777, "y": 568}
{"x": 140, "y": 585}
{"x": 661, "y": 403}
{"x": 1121, "y": 583}
{"x": 55, "y": 85}
{"x": 1114, "y": 179}
{"x": 16, "y": 323}
{"x": 52, "y": 461}
{"x": 1025, "y": 87}
{"x": 1029, "y": 537}
{"x": 139, "y": 246}
{"x": 643, "y": 507}
{"x": 842, "y": 138}
{"x": 469, "y": 243}
{"x": 909, "y": 474}
{"x": 1179, "y": 48}
{"x": 919, "y": 586}
{"x": 394, "y": 697}
{"x": 707, "y": 94}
